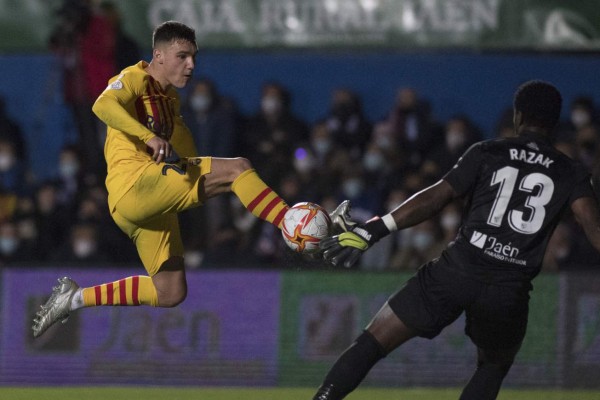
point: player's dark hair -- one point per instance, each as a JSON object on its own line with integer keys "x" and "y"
{"x": 173, "y": 30}
{"x": 540, "y": 103}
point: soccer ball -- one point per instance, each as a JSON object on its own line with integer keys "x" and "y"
{"x": 304, "y": 225}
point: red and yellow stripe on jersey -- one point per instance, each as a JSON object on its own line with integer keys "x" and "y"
{"x": 135, "y": 108}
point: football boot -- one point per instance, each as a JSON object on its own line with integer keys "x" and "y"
{"x": 57, "y": 307}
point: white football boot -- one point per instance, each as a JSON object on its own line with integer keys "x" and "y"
{"x": 57, "y": 307}
{"x": 340, "y": 218}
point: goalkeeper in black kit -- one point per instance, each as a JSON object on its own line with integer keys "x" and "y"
{"x": 516, "y": 190}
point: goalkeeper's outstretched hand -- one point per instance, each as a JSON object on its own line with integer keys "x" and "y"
{"x": 346, "y": 248}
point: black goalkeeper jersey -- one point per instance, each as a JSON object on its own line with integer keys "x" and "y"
{"x": 517, "y": 189}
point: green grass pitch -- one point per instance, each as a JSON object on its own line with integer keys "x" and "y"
{"x": 156, "y": 393}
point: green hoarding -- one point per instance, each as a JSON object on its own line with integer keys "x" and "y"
{"x": 398, "y": 24}
{"x": 322, "y": 313}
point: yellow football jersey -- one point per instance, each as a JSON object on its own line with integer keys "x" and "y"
{"x": 135, "y": 108}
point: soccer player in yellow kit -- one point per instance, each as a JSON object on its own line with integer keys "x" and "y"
{"x": 147, "y": 187}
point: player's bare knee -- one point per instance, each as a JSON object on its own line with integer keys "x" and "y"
{"x": 170, "y": 283}
{"x": 172, "y": 298}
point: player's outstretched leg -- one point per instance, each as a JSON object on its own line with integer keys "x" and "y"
{"x": 492, "y": 367}
{"x": 258, "y": 198}
{"x": 67, "y": 296}
{"x": 351, "y": 368}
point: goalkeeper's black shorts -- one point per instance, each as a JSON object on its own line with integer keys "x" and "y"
{"x": 496, "y": 316}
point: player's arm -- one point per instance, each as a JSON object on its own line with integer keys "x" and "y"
{"x": 111, "y": 109}
{"x": 423, "y": 205}
{"x": 347, "y": 247}
{"x": 585, "y": 210}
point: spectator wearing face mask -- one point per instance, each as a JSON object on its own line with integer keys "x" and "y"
{"x": 70, "y": 178}
{"x": 581, "y": 114}
{"x": 13, "y": 249}
{"x": 450, "y": 219}
{"x": 379, "y": 166}
{"x": 273, "y": 133}
{"x": 458, "y": 135}
{"x": 12, "y": 169}
{"x": 321, "y": 142}
{"x": 24, "y": 219}
{"x": 317, "y": 163}
{"x": 214, "y": 122}
{"x": 83, "y": 246}
{"x": 12, "y": 178}
{"x": 418, "y": 244}
{"x": 347, "y": 122}
{"x": 212, "y": 119}
{"x": 92, "y": 210}
{"x": 380, "y": 259}
{"x": 411, "y": 127}
{"x": 355, "y": 186}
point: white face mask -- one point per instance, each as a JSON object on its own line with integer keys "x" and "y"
{"x": 200, "y": 102}
{"x": 352, "y": 187}
{"x": 83, "y": 248}
{"x": 303, "y": 164}
{"x": 270, "y": 105}
{"x": 321, "y": 146}
{"x": 27, "y": 229}
{"x": 8, "y": 245}
{"x": 383, "y": 141}
{"x": 373, "y": 161}
{"x": 454, "y": 139}
{"x": 449, "y": 221}
{"x": 580, "y": 118}
{"x": 68, "y": 169}
{"x": 7, "y": 160}
{"x": 422, "y": 240}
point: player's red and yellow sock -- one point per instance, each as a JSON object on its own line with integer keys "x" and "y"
{"x": 131, "y": 291}
{"x": 258, "y": 198}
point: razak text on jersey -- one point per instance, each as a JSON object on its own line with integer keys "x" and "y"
{"x": 530, "y": 157}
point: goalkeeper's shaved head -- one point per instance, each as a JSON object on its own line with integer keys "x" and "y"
{"x": 173, "y": 30}
{"x": 539, "y": 103}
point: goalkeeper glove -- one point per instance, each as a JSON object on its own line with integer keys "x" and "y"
{"x": 346, "y": 248}
{"x": 340, "y": 219}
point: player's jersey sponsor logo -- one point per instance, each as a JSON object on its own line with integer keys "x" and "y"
{"x": 494, "y": 248}
{"x": 157, "y": 128}
{"x": 478, "y": 239}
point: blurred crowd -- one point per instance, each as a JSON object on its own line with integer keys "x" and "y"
{"x": 342, "y": 155}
